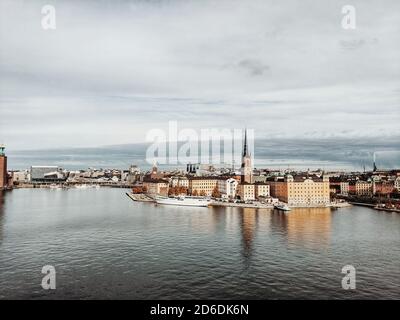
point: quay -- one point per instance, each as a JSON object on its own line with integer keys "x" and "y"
{"x": 241, "y": 205}
{"x": 140, "y": 197}
{"x": 376, "y": 207}
{"x": 371, "y": 205}
{"x": 67, "y": 185}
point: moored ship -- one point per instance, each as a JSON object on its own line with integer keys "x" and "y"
{"x": 184, "y": 201}
{"x": 282, "y": 206}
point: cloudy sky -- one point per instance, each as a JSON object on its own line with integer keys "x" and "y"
{"x": 113, "y": 70}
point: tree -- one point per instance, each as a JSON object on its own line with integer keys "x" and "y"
{"x": 216, "y": 193}
{"x": 182, "y": 190}
{"x": 172, "y": 191}
{"x": 137, "y": 189}
{"x": 195, "y": 193}
{"x": 202, "y": 193}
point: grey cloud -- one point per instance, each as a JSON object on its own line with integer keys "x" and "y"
{"x": 253, "y": 66}
{"x": 275, "y": 153}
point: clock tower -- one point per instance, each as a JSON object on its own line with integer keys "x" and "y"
{"x": 3, "y": 168}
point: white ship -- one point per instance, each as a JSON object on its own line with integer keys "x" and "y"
{"x": 184, "y": 201}
{"x": 282, "y": 206}
{"x": 81, "y": 186}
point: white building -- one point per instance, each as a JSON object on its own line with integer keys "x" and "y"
{"x": 177, "y": 181}
{"x": 21, "y": 176}
{"x": 397, "y": 183}
{"x": 228, "y": 188}
{"x": 344, "y": 188}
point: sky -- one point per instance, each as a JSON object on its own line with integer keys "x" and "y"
{"x": 112, "y": 71}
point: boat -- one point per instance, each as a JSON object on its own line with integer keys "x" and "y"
{"x": 282, "y": 207}
{"x": 383, "y": 207}
{"x": 339, "y": 204}
{"x": 81, "y": 186}
{"x": 184, "y": 201}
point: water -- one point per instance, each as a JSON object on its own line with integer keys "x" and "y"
{"x": 104, "y": 245}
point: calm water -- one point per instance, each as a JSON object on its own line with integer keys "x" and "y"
{"x": 103, "y": 245}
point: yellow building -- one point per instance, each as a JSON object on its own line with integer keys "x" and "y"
{"x": 261, "y": 190}
{"x": 363, "y": 188}
{"x": 246, "y": 191}
{"x": 301, "y": 191}
{"x": 203, "y": 185}
{"x": 156, "y": 187}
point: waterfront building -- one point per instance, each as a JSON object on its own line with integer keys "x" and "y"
{"x": 47, "y": 174}
{"x": 344, "y": 188}
{"x": 397, "y": 184}
{"x": 20, "y": 176}
{"x": 383, "y": 187}
{"x": 177, "y": 181}
{"x": 261, "y": 190}
{"x": 203, "y": 185}
{"x": 228, "y": 187}
{"x": 246, "y": 191}
{"x": 301, "y": 191}
{"x": 183, "y": 182}
{"x": 363, "y": 188}
{"x": 3, "y": 168}
{"x": 156, "y": 187}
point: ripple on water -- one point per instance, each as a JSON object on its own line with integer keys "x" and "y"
{"x": 105, "y": 246}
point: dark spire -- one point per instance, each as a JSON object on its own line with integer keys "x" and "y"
{"x": 375, "y": 168}
{"x": 245, "y": 144}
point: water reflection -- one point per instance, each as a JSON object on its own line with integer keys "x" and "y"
{"x": 279, "y": 222}
{"x": 310, "y": 227}
{"x": 228, "y": 219}
{"x": 2, "y": 196}
{"x": 248, "y": 225}
{"x": 164, "y": 252}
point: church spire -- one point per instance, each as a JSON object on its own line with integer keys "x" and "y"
{"x": 247, "y": 170}
{"x": 245, "y": 151}
{"x": 374, "y": 164}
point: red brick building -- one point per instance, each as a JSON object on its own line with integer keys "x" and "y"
{"x": 3, "y": 168}
{"x": 383, "y": 187}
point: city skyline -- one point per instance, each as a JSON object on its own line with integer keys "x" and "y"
{"x": 336, "y": 155}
